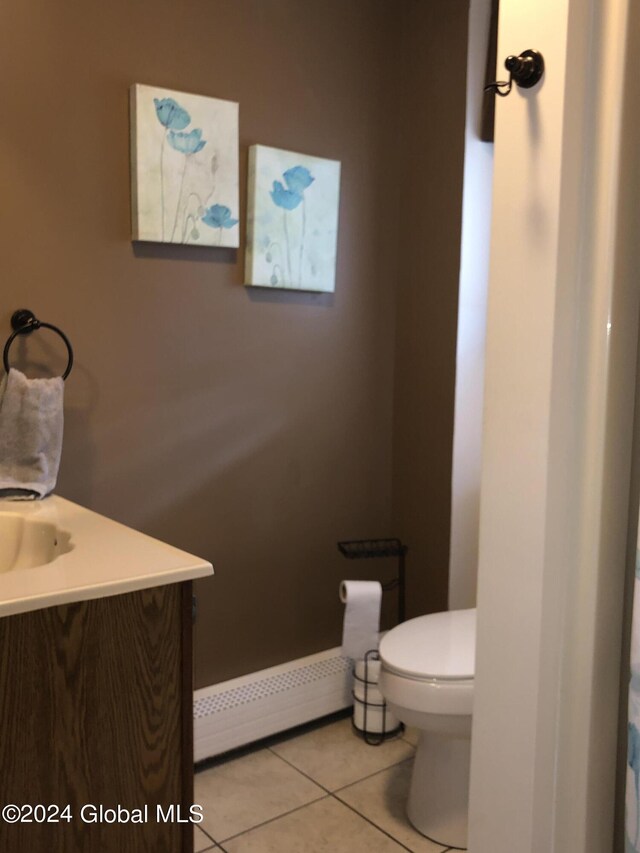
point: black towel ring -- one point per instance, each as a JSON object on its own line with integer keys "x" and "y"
{"x": 23, "y": 322}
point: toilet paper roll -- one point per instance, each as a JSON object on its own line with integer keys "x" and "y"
{"x": 369, "y": 670}
{"x": 367, "y": 693}
{"x": 378, "y": 719}
{"x": 361, "y": 629}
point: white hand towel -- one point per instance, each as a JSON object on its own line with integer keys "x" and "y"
{"x": 361, "y": 630}
{"x": 31, "y": 424}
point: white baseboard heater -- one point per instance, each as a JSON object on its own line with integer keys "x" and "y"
{"x": 237, "y": 712}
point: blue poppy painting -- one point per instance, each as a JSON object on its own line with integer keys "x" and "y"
{"x": 284, "y": 198}
{"x": 170, "y": 114}
{"x": 298, "y": 179}
{"x": 184, "y": 151}
{"x": 293, "y": 220}
{"x": 218, "y": 216}
{"x": 187, "y": 143}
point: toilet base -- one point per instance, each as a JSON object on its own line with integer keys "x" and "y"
{"x": 439, "y": 795}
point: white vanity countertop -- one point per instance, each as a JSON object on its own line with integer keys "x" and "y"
{"x": 102, "y": 558}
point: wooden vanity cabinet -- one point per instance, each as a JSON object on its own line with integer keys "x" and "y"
{"x": 96, "y": 708}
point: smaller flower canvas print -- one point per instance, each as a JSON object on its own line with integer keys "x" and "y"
{"x": 292, "y": 228}
{"x": 184, "y": 168}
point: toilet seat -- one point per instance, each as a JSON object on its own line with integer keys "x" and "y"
{"x": 439, "y": 645}
{"x": 454, "y": 697}
{"x": 428, "y": 663}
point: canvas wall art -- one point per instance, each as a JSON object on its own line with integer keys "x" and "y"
{"x": 184, "y": 168}
{"x": 292, "y": 226}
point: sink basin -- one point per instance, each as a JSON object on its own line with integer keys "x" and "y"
{"x": 26, "y": 543}
{"x": 54, "y": 552}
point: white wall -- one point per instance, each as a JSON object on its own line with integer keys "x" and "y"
{"x": 560, "y": 381}
{"x": 472, "y": 320}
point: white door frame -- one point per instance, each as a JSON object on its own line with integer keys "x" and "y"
{"x": 559, "y": 393}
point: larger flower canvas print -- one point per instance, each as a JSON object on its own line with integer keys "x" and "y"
{"x": 293, "y": 220}
{"x": 184, "y": 167}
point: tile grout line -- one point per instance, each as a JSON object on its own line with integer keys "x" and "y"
{"x": 371, "y": 775}
{"x": 446, "y": 849}
{"x": 335, "y": 795}
{"x": 301, "y": 772}
{"x": 332, "y": 794}
{"x": 327, "y": 793}
{"x": 375, "y": 825}
{"x": 210, "y": 837}
{"x": 328, "y": 796}
{"x": 212, "y": 846}
{"x": 349, "y": 784}
{"x": 224, "y": 850}
{"x": 357, "y": 782}
{"x": 386, "y": 832}
{"x": 271, "y": 820}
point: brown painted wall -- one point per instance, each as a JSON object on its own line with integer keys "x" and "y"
{"x": 251, "y": 427}
{"x": 434, "y": 38}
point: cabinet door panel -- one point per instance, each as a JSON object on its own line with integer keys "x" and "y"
{"x": 93, "y": 698}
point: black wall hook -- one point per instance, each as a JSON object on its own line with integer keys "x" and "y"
{"x": 526, "y": 70}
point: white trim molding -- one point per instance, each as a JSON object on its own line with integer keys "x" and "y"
{"x": 559, "y": 397}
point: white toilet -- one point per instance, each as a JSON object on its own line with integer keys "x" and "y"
{"x": 426, "y": 676}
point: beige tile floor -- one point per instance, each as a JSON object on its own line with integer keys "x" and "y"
{"x": 323, "y": 791}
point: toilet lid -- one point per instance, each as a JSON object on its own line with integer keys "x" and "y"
{"x": 439, "y": 645}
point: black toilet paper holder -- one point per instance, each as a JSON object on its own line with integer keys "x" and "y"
{"x": 371, "y": 738}
{"x": 362, "y": 549}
